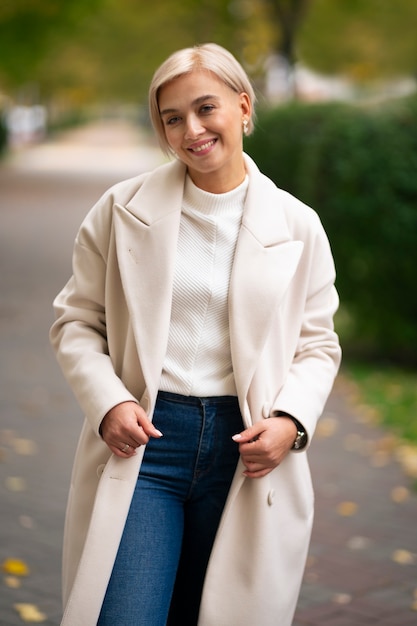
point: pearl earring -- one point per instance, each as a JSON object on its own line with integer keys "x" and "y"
{"x": 245, "y": 127}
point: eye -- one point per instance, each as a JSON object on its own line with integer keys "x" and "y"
{"x": 171, "y": 121}
{"x": 207, "y": 108}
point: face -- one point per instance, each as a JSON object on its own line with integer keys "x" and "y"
{"x": 203, "y": 119}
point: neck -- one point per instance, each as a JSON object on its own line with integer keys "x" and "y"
{"x": 218, "y": 182}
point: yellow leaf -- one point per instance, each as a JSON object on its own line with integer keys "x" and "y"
{"x": 25, "y": 447}
{"x": 403, "y": 557}
{"x": 407, "y": 456}
{"x": 347, "y": 509}
{"x": 342, "y": 598}
{"x": 15, "y": 483}
{"x": 400, "y": 494}
{"x": 15, "y": 567}
{"x": 12, "y": 582}
{"x": 30, "y": 613}
{"x": 326, "y": 427}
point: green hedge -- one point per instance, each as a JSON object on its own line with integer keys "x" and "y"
{"x": 3, "y": 133}
{"x": 358, "y": 169}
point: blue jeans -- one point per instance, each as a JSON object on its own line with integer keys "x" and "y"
{"x": 181, "y": 490}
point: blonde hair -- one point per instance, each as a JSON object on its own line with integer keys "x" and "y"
{"x": 209, "y": 57}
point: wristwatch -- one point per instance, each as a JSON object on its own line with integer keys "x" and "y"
{"x": 301, "y": 438}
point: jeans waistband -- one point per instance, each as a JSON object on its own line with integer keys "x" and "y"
{"x": 195, "y": 400}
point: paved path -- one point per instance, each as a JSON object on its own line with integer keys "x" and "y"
{"x": 362, "y": 567}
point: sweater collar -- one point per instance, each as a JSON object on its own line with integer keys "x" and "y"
{"x": 230, "y": 202}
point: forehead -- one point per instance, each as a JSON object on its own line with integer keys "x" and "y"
{"x": 187, "y": 88}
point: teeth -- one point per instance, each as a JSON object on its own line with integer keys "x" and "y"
{"x": 204, "y": 146}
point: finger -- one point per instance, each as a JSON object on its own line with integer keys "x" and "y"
{"x": 148, "y": 428}
{"x": 120, "y": 451}
{"x": 249, "y": 435}
{"x": 258, "y": 473}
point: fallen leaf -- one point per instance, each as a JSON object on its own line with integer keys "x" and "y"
{"x": 25, "y": 447}
{"x": 326, "y": 427}
{"x": 367, "y": 414}
{"x": 15, "y": 483}
{"x": 347, "y": 509}
{"x": 400, "y": 494}
{"x": 15, "y": 567}
{"x": 358, "y": 543}
{"x": 30, "y": 613}
{"x": 404, "y": 557}
{"x": 12, "y": 582}
{"x": 342, "y": 598}
{"x": 407, "y": 456}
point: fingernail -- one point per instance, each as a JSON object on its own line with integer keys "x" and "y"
{"x": 158, "y": 432}
{"x": 237, "y": 437}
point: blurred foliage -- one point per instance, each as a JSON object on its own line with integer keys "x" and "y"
{"x": 392, "y": 394}
{"x": 3, "y": 133}
{"x": 28, "y": 30}
{"x": 361, "y": 40}
{"x": 81, "y": 51}
{"x": 357, "y": 168}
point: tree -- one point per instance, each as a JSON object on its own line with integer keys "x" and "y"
{"x": 361, "y": 40}
{"x": 288, "y": 15}
{"x": 28, "y": 29}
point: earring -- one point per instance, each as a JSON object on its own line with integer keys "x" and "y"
{"x": 245, "y": 127}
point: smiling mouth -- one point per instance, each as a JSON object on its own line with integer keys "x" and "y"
{"x": 203, "y": 146}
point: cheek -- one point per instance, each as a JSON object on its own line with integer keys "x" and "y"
{"x": 172, "y": 136}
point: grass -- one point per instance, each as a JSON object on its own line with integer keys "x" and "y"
{"x": 391, "y": 392}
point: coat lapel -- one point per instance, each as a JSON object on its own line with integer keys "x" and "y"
{"x": 146, "y": 239}
{"x": 265, "y": 262}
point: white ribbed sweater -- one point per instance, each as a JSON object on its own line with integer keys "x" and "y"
{"x": 198, "y": 360}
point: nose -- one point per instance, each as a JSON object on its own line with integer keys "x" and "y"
{"x": 194, "y": 128}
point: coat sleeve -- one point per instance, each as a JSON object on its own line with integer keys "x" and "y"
{"x": 316, "y": 356}
{"x": 79, "y": 333}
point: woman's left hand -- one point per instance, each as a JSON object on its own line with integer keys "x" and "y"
{"x": 264, "y": 445}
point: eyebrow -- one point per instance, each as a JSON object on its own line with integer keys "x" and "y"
{"x": 195, "y": 102}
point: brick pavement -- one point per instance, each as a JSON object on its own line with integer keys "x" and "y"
{"x": 362, "y": 567}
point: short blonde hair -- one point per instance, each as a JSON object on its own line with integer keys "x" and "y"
{"x": 209, "y": 57}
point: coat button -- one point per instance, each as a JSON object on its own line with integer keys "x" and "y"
{"x": 100, "y": 469}
{"x": 271, "y": 497}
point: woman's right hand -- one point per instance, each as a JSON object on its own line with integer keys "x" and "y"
{"x": 126, "y": 427}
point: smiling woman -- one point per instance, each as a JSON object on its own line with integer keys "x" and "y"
{"x": 197, "y": 334}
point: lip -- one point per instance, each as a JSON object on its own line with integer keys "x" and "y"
{"x": 202, "y": 147}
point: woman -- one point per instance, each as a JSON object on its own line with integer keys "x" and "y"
{"x": 197, "y": 334}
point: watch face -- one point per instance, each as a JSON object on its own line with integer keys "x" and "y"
{"x": 300, "y": 440}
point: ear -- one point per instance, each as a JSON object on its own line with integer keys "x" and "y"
{"x": 245, "y": 105}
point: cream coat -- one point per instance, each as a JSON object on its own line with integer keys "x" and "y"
{"x": 111, "y": 336}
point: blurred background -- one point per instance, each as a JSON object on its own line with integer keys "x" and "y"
{"x": 337, "y": 126}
